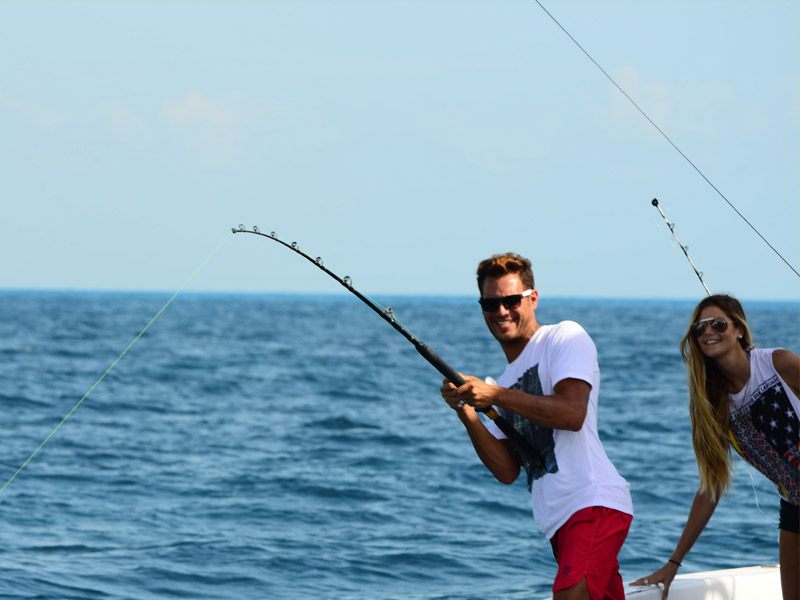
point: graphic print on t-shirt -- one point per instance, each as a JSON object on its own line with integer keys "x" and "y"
{"x": 767, "y": 431}
{"x": 540, "y": 438}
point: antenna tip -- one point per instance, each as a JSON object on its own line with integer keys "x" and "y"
{"x": 655, "y": 202}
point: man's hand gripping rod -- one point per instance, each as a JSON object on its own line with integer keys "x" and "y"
{"x": 387, "y": 314}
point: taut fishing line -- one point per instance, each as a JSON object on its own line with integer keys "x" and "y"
{"x": 113, "y": 364}
{"x": 387, "y": 314}
{"x": 665, "y": 136}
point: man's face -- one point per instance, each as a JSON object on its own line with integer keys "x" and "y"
{"x": 510, "y": 325}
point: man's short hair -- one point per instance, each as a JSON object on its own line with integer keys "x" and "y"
{"x": 509, "y": 263}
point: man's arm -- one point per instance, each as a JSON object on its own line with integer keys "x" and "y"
{"x": 565, "y": 409}
{"x": 495, "y": 454}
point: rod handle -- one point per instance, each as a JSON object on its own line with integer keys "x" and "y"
{"x": 456, "y": 379}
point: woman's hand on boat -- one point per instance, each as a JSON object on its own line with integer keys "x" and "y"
{"x": 662, "y": 576}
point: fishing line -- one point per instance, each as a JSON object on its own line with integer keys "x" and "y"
{"x": 755, "y": 494}
{"x": 113, "y": 364}
{"x": 387, "y": 314}
{"x": 681, "y": 245}
{"x": 666, "y": 137}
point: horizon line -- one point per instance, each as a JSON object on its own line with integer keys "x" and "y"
{"x": 345, "y": 294}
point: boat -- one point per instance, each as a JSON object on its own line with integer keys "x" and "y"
{"x": 742, "y": 583}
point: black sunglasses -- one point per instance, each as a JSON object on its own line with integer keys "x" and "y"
{"x": 718, "y": 324}
{"x": 510, "y": 302}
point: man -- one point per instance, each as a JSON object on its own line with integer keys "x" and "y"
{"x": 549, "y": 393}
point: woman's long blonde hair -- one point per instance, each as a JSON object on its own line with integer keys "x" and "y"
{"x": 709, "y": 399}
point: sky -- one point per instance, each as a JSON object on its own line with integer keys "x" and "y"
{"x": 401, "y": 141}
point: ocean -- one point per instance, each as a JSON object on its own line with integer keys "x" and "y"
{"x": 296, "y": 447}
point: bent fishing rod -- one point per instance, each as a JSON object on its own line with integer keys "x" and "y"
{"x": 388, "y": 315}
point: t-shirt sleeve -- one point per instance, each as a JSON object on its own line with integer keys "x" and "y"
{"x": 494, "y": 430}
{"x": 572, "y": 354}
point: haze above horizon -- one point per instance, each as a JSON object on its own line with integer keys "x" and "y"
{"x": 403, "y": 141}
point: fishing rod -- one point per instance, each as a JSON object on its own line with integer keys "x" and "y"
{"x": 681, "y": 245}
{"x": 387, "y": 314}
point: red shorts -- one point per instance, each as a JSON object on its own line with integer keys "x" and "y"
{"x": 586, "y": 547}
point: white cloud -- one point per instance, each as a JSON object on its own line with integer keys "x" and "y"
{"x": 126, "y": 123}
{"x": 652, "y": 98}
{"x": 688, "y": 105}
{"x": 210, "y": 121}
{"x": 32, "y": 113}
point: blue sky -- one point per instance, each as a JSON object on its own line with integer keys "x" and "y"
{"x": 401, "y": 141}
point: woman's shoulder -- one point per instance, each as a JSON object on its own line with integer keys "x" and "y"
{"x": 787, "y": 364}
{"x": 766, "y": 354}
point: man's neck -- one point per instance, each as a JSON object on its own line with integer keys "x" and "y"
{"x": 514, "y": 348}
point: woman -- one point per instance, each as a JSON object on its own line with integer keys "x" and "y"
{"x": 746, "y": 399}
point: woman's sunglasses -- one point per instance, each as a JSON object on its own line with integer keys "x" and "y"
{"x": 718, "y": 324}
{"x": 511, "y": 302}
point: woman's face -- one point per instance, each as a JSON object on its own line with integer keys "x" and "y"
{"x": 712, "y": 342}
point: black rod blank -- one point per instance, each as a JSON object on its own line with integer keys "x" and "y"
{"x": 387, "y": 314}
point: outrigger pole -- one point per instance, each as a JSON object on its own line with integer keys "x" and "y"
{"x": 681, "y": 245}
{"x": 387, "y": 314}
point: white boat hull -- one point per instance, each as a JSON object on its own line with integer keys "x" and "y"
{"x": 744, "y": 583}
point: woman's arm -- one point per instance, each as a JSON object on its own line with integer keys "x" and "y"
{"x": 702, "y": 509}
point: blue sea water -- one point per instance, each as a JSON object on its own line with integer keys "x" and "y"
{"x": 296, "y": 447}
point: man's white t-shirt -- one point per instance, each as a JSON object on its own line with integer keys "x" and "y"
{"x": 573, "y": 471}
